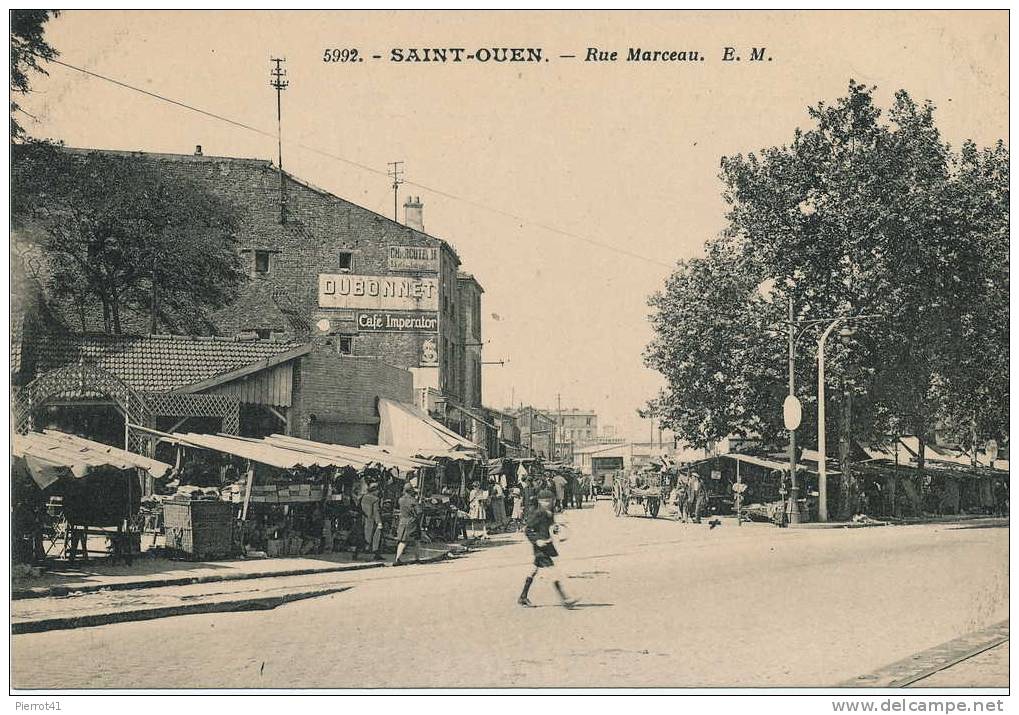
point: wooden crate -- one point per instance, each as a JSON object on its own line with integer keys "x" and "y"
{"x": 199, "y": 529}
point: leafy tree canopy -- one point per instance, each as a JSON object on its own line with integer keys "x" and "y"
{"x": 862, "y": 213}
{"x": 28, "y": 46}
{"x": 121, "y": 235}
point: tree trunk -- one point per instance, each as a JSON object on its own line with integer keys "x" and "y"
{"x": 115, "y": 309}
{"x": 106, "y": 313}
{"x": 116, "y": 317}
{"x": 849, "y": 487}
{"x": 921, "y": 464}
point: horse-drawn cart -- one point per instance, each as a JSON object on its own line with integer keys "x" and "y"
{"x": 648, "y": 490}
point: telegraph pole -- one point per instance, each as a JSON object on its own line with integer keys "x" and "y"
{"x": 559, "y": 409}
{"x": 396, "y": 174}
{"x": 279, "y": 84}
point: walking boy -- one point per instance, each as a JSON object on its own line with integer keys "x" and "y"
{"x": 539, "y": 524}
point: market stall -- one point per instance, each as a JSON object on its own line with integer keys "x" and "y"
{"x": 67, "y": 489}
{"x": 762, "y": 483}
{"x": 289, "y": 496}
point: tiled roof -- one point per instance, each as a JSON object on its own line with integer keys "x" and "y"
{"x": 155, "y": 363}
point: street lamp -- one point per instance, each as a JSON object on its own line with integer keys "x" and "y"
{"x": 822, "y": 446}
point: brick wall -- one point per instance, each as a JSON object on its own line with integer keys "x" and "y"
{"x": 319, "y": 226}
{"x": 340, "y": 391}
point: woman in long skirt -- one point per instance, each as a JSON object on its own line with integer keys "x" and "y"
{"x": 518, "y": 505}
{"x": 476, "y": 502}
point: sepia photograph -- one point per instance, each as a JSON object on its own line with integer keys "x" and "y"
{"x": 510, "y": 352}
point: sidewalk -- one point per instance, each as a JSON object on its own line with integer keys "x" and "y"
{"x": 77, "y": 578}
{"x": 108, "y": 594}
{"x": 982, "y": 519}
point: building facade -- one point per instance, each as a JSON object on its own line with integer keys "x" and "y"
{"x": 328, "y": 271}
{"x": 576, "y": 426}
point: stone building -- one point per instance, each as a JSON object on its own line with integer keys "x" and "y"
{"x": 326, "y": 271}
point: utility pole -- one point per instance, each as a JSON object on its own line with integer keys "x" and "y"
{"x": 396, "y": 174}
{"x": 559, "y": 409}
{"x": 279, "y": 84}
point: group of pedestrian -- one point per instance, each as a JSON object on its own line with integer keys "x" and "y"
{"x": 408, "y": 526}
{"x": 570, "y": 489}
{"x": 487, "y": 506}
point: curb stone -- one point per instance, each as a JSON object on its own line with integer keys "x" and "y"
{"x": 51, "y": 591}
{"x": 925, "y": 663}
{"x": 259, "y": 603}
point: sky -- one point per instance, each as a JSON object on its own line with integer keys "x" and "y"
{"x": 619, "y": 155}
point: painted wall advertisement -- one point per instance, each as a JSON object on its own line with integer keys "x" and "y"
{"x": 340, "y": 290}
{"x": 389, "y": 322}
{"x": 413, "y": 258}
{"x": 429, "y": 353}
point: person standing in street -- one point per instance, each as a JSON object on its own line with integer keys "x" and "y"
{"x": 559, "y": 482}
{"x": 476, "y": 508}
{"x": 517, "y": 515}
{"x": 371, "y": 516}
{"x": 408, "y": 529}
{"x": 540, "y": 522}
{"x": 529, "y": 494}
{"x": 497, "y": 495}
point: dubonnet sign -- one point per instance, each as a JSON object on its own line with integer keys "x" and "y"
{"x": 377, "y": 292}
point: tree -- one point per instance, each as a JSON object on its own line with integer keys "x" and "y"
{"x": 715, "y": 345}
{"x": 857, "y": 214}
{"x": 121, "y": 235}
{"x": 28, "y": 46}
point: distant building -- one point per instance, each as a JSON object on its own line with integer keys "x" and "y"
{"x": 537, "y": 430}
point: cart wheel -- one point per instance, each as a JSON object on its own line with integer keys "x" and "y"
{"x": 653, "y": 506}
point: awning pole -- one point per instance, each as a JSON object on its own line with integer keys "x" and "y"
{"x": 739, "y": 498}
{"x": 247, "y": 490}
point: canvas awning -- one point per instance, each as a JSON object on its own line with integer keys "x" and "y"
{"x": 406, "y": 430}
{"x": 50, "y": 454}
{"x": 763, "y": 462}
{"x": 362, "y": 455}
{"x": 259, "y": 451}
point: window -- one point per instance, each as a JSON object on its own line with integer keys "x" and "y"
{"x": 346, "y": 261}
{"x": 263, "y": 333}
{"x": 345, "y": 344}
{"x": 589, "y": 421}
{"x": 261, "y": 261}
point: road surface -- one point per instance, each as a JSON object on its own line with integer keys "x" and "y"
{"x": 665, "y": 604}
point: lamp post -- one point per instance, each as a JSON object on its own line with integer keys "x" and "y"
{"x": 822, "y": 441}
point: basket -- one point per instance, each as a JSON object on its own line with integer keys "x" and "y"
{"x": 199, "y": 529}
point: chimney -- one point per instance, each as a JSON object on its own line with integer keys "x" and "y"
{"x": 414, "y": 218}
{"x": 198, "y": 149}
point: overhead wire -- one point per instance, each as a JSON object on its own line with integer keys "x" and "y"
{"x": 316, "y": 150}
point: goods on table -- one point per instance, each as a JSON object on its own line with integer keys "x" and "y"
{"x": 276, "y": 493}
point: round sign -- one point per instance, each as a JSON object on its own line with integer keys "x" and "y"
{"x": 792, "y": 412}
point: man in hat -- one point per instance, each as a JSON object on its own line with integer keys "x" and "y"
{"x": 408, "y": 528}
{"x": 371, "y": 515}
{"x": 540, "y": 522}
